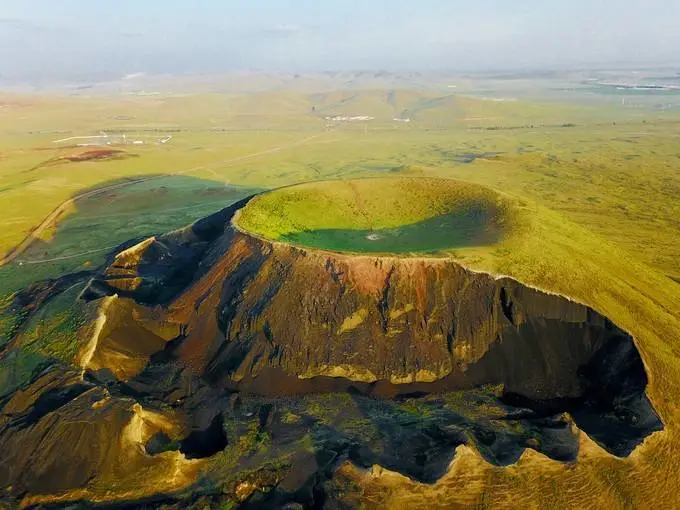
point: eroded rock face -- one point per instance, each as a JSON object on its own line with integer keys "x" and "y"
{"x": 245, "y": 307}
{"x": 62, "y": 432}
{"x": 202, "y": 330}
{"x": 274, "y": 319}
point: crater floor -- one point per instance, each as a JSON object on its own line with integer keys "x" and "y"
{"x": 398, "y": 215}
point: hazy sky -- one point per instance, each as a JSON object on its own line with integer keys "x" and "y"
{"x": 85, "y": 38}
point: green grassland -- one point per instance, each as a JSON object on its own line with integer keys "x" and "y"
{"x": 609, "y": 164}
{"x": 598, "y": 184}
{"x": 96, "y": 225}
{"x": 383, "y": 215}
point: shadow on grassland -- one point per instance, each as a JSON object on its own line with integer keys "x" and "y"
{"x": 448, "y": 231}
{"x": 83, "y": 242}
{"x": 129, "y": 208}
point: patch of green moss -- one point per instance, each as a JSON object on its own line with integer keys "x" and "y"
{"x": 11, "y": 317}
{"x": 245, "y": 439}
{"x": 323, "y": 408}
{"x": 18, "y": 368}
{"x": 361, "y": 429}
{"x": 53, "y": 331}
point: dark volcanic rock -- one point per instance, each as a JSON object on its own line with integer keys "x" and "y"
{"x": 166, "y": 265}
{"x": 53, "y": 417}
{"x": 254, "y": 307}
{"x": 211, "y": 339}
{"x": 205, "y": 443}
{"x": 274, "y": 319}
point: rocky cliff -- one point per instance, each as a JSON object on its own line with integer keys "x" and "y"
{"x": 238, "y": 308}
{"x": 202, "y": 331}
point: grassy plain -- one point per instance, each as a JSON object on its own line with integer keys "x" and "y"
{"x": 601, "y": 185}
{"x": 599, "y": 167}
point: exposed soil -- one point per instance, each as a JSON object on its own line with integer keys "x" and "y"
{"x": 90, "y": 155}
{"x": 98, "y": 154}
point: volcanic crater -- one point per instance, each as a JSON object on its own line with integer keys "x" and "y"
{"x": 285, "y": 310}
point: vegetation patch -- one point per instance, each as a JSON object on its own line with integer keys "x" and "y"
{"x": 53, "y": 331}
{"x": 399, "y": 215}
{"x": 18, "y": 368}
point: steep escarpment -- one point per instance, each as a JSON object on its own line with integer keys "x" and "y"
{"x": 265, "y": 306}
{"x": 267, "y": 365}
{"x": 275, "y": 319}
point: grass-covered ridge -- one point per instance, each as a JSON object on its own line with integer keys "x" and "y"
{"x": 381, "y": 215}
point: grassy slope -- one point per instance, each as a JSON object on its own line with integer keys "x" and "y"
{"x": 566, "y": 258}
{"x": 603, "y": 198}
{"x": 361, "y": 204}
